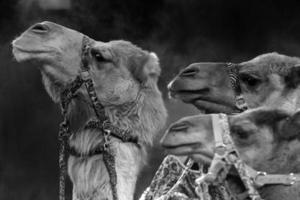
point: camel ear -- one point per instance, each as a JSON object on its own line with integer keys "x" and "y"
{"x": 293, "y": 78}
{"x": 152, "y": 68}
{"x": 290, "y": 128}
{"x": 145, "y": 67}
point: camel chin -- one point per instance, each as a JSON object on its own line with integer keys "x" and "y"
{"x": 21, "y": 56}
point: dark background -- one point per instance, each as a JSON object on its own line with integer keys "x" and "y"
{"x": 180, "y": 32}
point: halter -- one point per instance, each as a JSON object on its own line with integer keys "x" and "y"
{"x": 101, "y": 123}
{"x": 240, "y": 102}
{"x": 226, "y": 156}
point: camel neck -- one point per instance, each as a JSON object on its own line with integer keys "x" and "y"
{"x": 144, "y": 118}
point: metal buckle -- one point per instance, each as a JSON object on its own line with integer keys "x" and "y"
{"x": 255, "y": 180}
{"x": 107, "y": 134}
{"x": 221, "y": 149}
{"x": 240, "y": 102}
{"x": 201, "y": 179}
{"x": 292, "y": 178}
{"x": 85, "y": 75}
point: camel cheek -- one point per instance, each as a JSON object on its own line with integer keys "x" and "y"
{"x": 260, "y": 150}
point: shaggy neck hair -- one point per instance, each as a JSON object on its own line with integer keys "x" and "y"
{"x": 144, "y": 118}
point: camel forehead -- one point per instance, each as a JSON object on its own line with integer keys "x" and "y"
{"x": 120, "y": 48}
{"x": 259, "y": 117}
{"x": 269, "y": 63}
{"x": 57, "y": 28}
{"x": 208, "y": 67}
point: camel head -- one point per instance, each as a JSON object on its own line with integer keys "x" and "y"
{"x": 56, "y": 49}
{"x": 205, "y": 85}
{"x": 265, "y": 138}
{"x": 120, "y": 71}
{"x": 269, "y": 79}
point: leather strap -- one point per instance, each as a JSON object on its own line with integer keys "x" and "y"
{"x": 261, "y": 179}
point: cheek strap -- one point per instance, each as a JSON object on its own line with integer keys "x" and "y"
{"x": 226, "y": 156}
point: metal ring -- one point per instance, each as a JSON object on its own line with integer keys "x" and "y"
{"x": 105, "y": 146}
{"x": 259, "y": 173}
{"x": 107, "y": 132}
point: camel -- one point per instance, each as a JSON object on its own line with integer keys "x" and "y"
{"x": 269, "y": 79}
{"x": 267, "y": 139}
{"x": 125, "y": 80}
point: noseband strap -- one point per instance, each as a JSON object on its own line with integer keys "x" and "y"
{"x": 226, "y": 156}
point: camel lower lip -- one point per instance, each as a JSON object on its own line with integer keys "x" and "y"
{"x": 202, "y": 158}
{"x": 212, "y": 106}
{"x": 178, "y": 94}
{"x": 192, "y": 96}
{"x": 28, "y": 50}
{"x": 179, "y": 149}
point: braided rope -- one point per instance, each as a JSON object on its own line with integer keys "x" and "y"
{"x": 64, "y": 133}
{"x": 226, "y": 156}
{"x": 235, "y": 84}
{"x": 102, "y": 122}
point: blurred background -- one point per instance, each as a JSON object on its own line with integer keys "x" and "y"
{"x": 180, "y": 32}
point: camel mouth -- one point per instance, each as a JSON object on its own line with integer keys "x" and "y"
{"x": 29, "y": 51}
{"x": 188, "y": 149}
{"x": 203, "y": 158}
{"x": 201, "y": 99}
{"x": 184, "y": 93}
{"x": 191, "y": 149}
{"x": 22, "y": 54}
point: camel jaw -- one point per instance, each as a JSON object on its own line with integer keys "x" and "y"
{"x": 201, "y": 100}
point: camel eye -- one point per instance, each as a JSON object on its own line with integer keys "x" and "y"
{"x": 249, "y": 80}
{"x": 98, "y": 56}
{"x": 241, "y": 134}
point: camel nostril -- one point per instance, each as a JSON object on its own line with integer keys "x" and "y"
{"x": 179, "y": 127}
{"x": 40, "y": 28}
{"x": 189, "y": 72}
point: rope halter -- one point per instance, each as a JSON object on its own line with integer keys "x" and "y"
{"x": 240, "y": 102}
{"x": 102, "y": 124}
